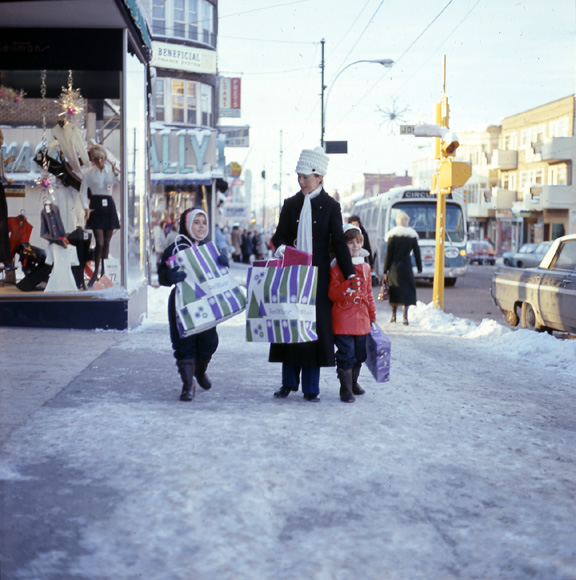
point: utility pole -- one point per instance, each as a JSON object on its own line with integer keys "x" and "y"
{"x": 323, "y": 88}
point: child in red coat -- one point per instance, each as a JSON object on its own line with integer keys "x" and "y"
{"x": 353, "y": 312}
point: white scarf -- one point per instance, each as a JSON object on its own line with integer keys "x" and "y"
{"x": 304, "y": 239}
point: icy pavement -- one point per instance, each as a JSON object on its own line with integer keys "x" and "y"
{"x": 461, "y": 466}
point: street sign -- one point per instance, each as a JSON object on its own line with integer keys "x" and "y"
{"x": 336, "y": 146}
{"x": 407, "y": 129}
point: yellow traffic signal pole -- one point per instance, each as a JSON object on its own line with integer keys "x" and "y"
{"x": 449, "y": 174}
{"x": 442, "y": 119}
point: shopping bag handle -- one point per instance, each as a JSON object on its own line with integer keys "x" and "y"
{"x": 179, "y": 237}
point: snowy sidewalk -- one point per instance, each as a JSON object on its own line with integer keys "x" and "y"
{"x": 461, "y": 466}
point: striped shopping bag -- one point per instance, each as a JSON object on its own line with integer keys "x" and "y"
{"x": 281, "y": 304}
{"x": 209, "y": 295}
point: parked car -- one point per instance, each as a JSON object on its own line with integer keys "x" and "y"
{"x": 542, "y": 298}
{"x": 529, "y": 255}
{"x": 480, "y": 252}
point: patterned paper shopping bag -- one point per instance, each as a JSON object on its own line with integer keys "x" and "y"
{"x": 209, "y": 295}
{"x": 281, "y": 304}
{"x": 378, "y": 351}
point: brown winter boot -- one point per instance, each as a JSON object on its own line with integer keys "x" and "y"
{"x": 186, "y": 370}
{"x": 393, "y": 319}
{"x": 405, "y": 314}
{"x": 356, "y": 388}
{"x": 345, "y": 376}
{"x": 200, "y": 374}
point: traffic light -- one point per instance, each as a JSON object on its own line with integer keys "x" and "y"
{"x": 453, "y": 174}
{"x": 449, "y": 144}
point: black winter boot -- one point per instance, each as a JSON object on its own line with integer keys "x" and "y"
{"x": 405, "y": 314}
{"x": 200, "y": 374}
{"x": 186, "y": 370}
{"x": 345, "y": 376}
{"x": 393, "y": 319}
{"x": 356, "y": 388}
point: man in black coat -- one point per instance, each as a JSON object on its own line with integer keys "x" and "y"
{"x": 311, "y": 221}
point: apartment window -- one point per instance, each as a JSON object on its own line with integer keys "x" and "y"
{"x": 193, "y": 19}
{"x": 511, "y": 141}
{"x": 208, "y": 23}
{"x": 180, "y": 18}
{"x": 177, "y": 101}
{"x": 206, "y": 103}
{"x": 160, "y": 106}
{"x": 159, "y": 17}
{"x": 559, "y": 174}
{"x": 187, "y": 19}
{"x": 181, "y": 101}
{"x": 559, "y": 127}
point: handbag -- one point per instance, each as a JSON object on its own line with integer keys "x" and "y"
{"x": 378, "y": 354}
{"x": 384, "y": 291}
{"x": 281, "y": 304}
{"x": 209, "y": 295}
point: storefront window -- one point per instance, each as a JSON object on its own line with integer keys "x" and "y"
{"x": 65, "y": 204}
{"x": 136, "y": 172}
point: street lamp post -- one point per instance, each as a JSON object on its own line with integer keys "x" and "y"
{"x": 385, "y": 62}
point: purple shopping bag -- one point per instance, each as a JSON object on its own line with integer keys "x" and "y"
{"x": 378, "y": 351}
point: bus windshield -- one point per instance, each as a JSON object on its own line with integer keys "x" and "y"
{"x": 423, "y": 220}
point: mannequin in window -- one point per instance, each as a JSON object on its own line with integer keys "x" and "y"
{"x": 97, "y": 185}
{"x": 60, "y": 252}
{"x": 6, "y": 262}
{"x": 73, "y": 152}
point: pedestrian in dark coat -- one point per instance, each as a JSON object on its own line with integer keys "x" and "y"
{"x": 402, "y": 242}
{"x": 311, "y": 221}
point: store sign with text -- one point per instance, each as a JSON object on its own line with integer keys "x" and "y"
{"x": 186, "y": 58}
{"x": 230, "y": 97}
{"x": 183, "y": 151}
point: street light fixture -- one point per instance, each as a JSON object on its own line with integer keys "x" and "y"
{"x": 385, "y": 62}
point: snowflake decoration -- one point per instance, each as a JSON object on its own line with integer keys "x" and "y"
{"x": 9, "y": 95}
{"x": 46, "y": 181}
{"x": 71, "y": 101}
{"x": 393, "y": 115}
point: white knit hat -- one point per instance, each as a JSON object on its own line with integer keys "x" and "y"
{"x": 347, "y": 227}
{"x": 313, "y": 161}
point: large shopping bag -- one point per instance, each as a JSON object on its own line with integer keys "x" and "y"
{"x": 281, "y": 304}
{"x": 209, "y": 295}
{"x": 378, "y": 351}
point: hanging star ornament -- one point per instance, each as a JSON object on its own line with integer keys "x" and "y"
{"x": 71, "y": 101}
{"x": 9, "y": 95}
{"x": 46, "y": 181}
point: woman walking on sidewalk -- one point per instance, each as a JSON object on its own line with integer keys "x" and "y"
{"x": 310, "y": 221}
{"x": 402, "y": 243}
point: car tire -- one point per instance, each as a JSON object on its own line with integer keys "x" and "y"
{"x": 507, "y": 262}
{"x": 519, "y": 265}
{"x": 449, "y": 281}
{"x": 528, "y": 317}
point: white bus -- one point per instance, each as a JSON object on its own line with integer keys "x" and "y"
{"x": 378, "y": 216}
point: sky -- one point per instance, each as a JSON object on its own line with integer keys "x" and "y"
{"x": 502, "y": 58}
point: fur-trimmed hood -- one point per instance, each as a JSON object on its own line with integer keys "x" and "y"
{"x": 402, "y": 232}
